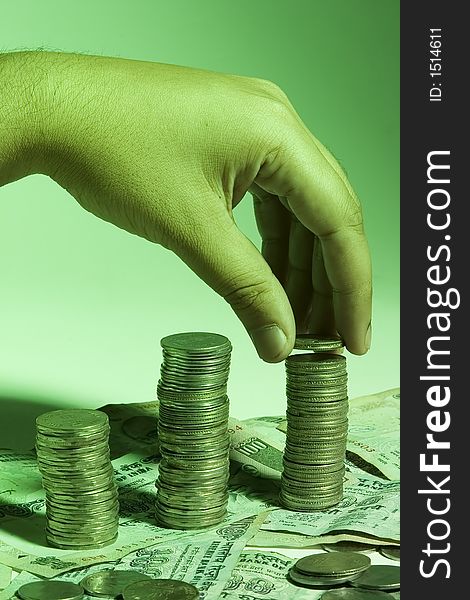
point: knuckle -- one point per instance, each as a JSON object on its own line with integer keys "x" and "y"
{"x": 353, "y": 217}
{"x": 271, "y": 98}
{"x": 276, "y": 124}
{"x": 269, "y": 116}
{"x": 358, "y": 289}
{"x": 249, "y": 297}
{"x": 270, "y": 88}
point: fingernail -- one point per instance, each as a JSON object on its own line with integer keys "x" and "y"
{"x": 368, "y": 337}
{"x": 270, "y": 342}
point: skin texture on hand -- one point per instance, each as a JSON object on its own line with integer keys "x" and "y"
{"x": 167, "y": 152}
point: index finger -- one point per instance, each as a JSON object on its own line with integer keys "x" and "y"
{"x": 321, "y": 197}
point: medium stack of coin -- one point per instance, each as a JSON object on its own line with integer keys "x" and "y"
{"x": 193, "y": 430}
{"x": 328, "y": 568}
{"x": 317, "y": 426}
{"x": 81, "y": 495}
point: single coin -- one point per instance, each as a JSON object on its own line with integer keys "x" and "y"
{"x": 379, "y": 577}
{"x": 348, "y": 547}
{"x": 160, "y": 589}
{"x": 355, "y": 594}
{"x": 392, "y": 552}
{"x": 197, "y": 342}
{"x": 331, "y": 564}
{"x": 83, "y": 420}
{"x": 110, "y": 583}
{"x": 314, "y": 581}
{"x": 317, "y": 343}
{"x": 50, "y": 590}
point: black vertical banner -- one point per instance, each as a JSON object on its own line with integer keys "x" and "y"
{"x": 435, "y": 231}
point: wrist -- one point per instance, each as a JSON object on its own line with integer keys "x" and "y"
{"x": 23, "y": 108}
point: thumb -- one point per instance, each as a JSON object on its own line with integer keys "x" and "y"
{"x": 227, "y": 261}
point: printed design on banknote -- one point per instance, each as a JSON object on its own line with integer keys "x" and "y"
{"x": 369, "y": 511}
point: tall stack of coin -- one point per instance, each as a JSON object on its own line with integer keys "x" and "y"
{"x": 193, "y": 430}
{"x": 77, "y": 475}
{"x": 317, "y": 426}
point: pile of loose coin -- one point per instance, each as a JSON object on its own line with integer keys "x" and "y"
{"x": 317, "y": 426}
{"x": 193, "y": 475}
{"x": 333, "y": 569}
{"x": 329, "y": 568}
{"x": 81, "y": 495}
{"x": 125, "y": 585}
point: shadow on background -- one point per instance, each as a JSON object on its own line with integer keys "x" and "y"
{"x": 130, "y": 432}
{"x": 22, "y": 522}
{"x": 18, "y": 419}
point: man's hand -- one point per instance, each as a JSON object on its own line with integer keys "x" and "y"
{"x": 166, "y": 152}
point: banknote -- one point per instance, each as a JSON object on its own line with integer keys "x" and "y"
{"x": 206, "y": 560}
{"x": 22, "y": 516}
{"x": 261, "y": 575}
{"x": 257, "y": 575}
{"x": 5, "y": 576}
{"x": 134, "y": 427}
{"x": 270, "y": 427}
{"x": 19, "y": 476}
{"x": 370, "y": 508}
{"x": 281, "y": 539}
{"x": 271, "y": 437}
{"x": 371, "y": 505}
{"x": 257, "y": 444}
{"x": 373, "y": 432}
{"x": 73, "y": 576}
{"x": 258, "y": 454}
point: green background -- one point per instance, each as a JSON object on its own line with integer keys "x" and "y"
{"x": 83, "y": 305}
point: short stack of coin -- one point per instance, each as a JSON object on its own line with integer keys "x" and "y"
{"x": 111, "y": 582}
{"x": 81, "y": 495}
{"x": 317, "y": 426}
{"x": 193, "y": 430}
{"x": 329, "y": 569}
